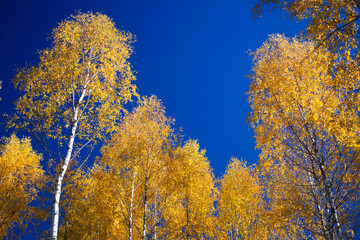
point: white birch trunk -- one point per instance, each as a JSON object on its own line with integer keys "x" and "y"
{"x": 131, "y": 207}
{"x": 56, "y": 208}
{"x": 155, "y": 217}
{"x": 332, "y": 216}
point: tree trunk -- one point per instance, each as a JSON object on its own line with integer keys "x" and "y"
{"x": 56, "y": 214}
{"x": 334, "y": 213}
{"x": 331, "y": 214}
{"x": 155, "y": 217}
{"x": 74, "y": 125}
{"x": 131, "y": 207}
{"x": 145, "y": 207}
{"x": 187, "y": 234}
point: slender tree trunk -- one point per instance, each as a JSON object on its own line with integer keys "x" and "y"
{"x": 331, "y": 214}
{"x": 145, "y": 200}
{"x": 56, "y": 214}
{"x": 319, "y": 212}
{"x": 155, "y": 217}
{"x": 334, "y": 212}
{"x": 187, "y": 235}
{"x": 145, "y": 208}
{"x": 131, "y": 207}
{"x": 74, "y": 125}
{"x": 66, "y": 228}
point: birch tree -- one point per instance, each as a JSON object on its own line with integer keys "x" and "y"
{"x": 123, "y": 195}
{"x": 75, "y": 95}
{"x": 93, "y": 206}
{"x": 20, "y": 178}
{"x": 139, "y": 152}
{"x": 240, "y": 205}
{"x": 189, "y": 211}
{"x": 332, "y": 23}
{"x": 306, "y": 126}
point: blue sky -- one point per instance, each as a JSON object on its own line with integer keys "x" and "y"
{"x": 193, "y": 55}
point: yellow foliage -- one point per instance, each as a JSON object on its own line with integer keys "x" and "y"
{"x": 189, "y": 210}
{"x": 306, "y": 125}
{"x": 87, "y": 69}
{"x": 125, "y": 192}
{"x": 333, "y": 23}
{"x": 293, "y": 85}
{"x": 77, "y": 91}
{"x": 93, "y": 207}
{"x": 240, "y": 205}
{"x": 20, "y": 178}
{"x": 144, "y": 186}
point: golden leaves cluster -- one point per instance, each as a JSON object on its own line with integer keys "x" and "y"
{"x": 294, "y": 86}
{"x": 305, "y": 116}
{"x": 241, "y": 207}
{"x": 333, "y": 23}
{"x": 144, "y": 181}
{"x": 87, "y": 68}
{"x": 190, "y": 210}
{"x": 20, "y": 178}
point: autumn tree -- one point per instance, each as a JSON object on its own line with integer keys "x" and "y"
{"x": 333, "y": 23}
{"x": 90, "y": 207}
{"x": 123, "y": 195}
{"x": 75, "y": 95}
{"x": 20, "y": 178}
{"x": 145, "y": 186}
{"x": 140, "y": 149}
{"x": 240, "y": 205}
{"x": 189, "y": 211}
{"x": 306, "y": 126}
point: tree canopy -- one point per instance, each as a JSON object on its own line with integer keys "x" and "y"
{"x": 21, "y": 177}
{"x": 75, "y": 95}
{"x": 146, "y": 180}
{"x": 300, "y": 118}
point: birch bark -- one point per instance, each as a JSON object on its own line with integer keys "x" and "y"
{"x": 131, "y": 207}
{"x": 56, "y": 212}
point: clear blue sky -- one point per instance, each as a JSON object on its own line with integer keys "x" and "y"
{"x": 192, "y": 54}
